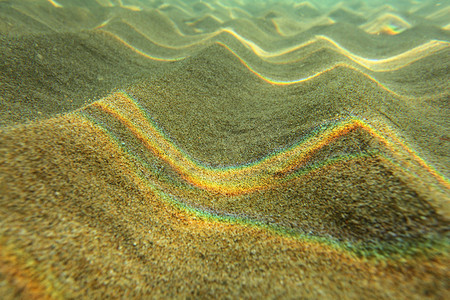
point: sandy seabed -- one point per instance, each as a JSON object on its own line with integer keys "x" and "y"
{"x": 224, "y": 149}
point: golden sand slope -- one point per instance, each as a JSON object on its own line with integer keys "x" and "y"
{"x": 223, "y": 149}
{"x": 82, "y": 224}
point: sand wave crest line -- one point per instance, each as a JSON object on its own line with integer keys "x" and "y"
{"x": 376, "y": 65}
{"x": 266, "y": 78}
{"x": 241, "y": 179}
{"x": 305, "y": 79}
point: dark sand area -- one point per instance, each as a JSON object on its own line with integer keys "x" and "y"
{"x": 224, "y": 149}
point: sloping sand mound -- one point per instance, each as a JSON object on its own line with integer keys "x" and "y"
{"x": 224, "y": 149}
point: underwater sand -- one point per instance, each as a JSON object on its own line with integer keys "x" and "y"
{"x": 224, "y": 149}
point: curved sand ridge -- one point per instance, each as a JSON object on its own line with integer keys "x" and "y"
{"x": 237, "y": 150}
{"x": 119, "y": 234}
{"x": 269, "y": 173}
{"x": 155, "y": 47}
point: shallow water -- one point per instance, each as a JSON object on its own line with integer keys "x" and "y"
{"x": 224, "y": 149}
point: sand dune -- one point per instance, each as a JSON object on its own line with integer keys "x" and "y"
{"x": 226, "y": 149}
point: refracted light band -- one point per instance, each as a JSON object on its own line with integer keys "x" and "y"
{"x": 246, "y": 178}
{"x": 55, "y": 4}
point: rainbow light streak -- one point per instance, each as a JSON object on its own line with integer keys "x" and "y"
{"x": 40, "y": 282}
{"x": 289, "y": 82}
{"x": 208, "y": 215}
{"x": 408, "y": 56}
{"x": 212, "y": 216}
{"x": 236, "y": 180}
{"x": 436, "y": 45}
{"x": 377, "y": 65}
{"x": 390, "y": 29}
{"x": 393, "y": 63}
{"x": 397, "y": 146}
{"x": 103, "y": 24}
{"x": 55, "y": 4}
{"x": 386, "y": 24}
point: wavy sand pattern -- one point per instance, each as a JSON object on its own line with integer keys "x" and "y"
{"x": 226, "y": 149}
